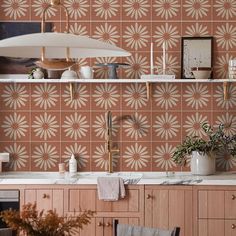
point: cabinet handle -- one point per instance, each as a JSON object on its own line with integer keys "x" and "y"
{"x": 99, "y": 224}
{"x": 45, "y": 196}
{"x": 233, "y": 197}
{"x": 149, "y": 196}
{"x": 108, "y": 224}
{"x": 233, "y": 226}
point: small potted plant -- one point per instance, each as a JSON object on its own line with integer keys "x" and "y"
{"x": 31, "y": 222}
{"x": 202, "y": 151}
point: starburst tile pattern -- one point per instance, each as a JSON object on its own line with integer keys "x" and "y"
{"x": 45, "y": 157}
{"x": 42, "y": 124}
{"x": 100, "y": 161}
{"x": 15, "y": 96}
{"x": 136, "y": 156}
{"x": 162, "y": 157}
{"x": 136, "y": 126}
{"x": 15, "y": 126}
{"x": 196, "y": 96}
{"x": 166, "y": 9}
{"x": 19, "y": 156}
{"x": 15, "y": 9}
{"x": 81, "y": 152}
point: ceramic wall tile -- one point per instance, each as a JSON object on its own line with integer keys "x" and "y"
{"x": 82, "y": 153}
{"x": 45, "y": 96}
{"x": 166, "y": 126}
{"x": 162, "y": 156}
{"x": 108, "y": 32}
{"x": 166, "y": 10}
{"x": 37, "y": 8}
{"x": 106, "y": 10}
{"x": 197, "y": 10}
{"x": 75, "y": 97}
{"x": 15, "y": 10}
{"x": 15, "y": 97}
{"x": 166, "y": 97}
{"x": 136, "y": 10}
{"x": 136, "y": 126}
{"x": 192, "y": 122}
{"x": 42, "y": 124}
{"x": 45, "y": 126}
{"x": 78, "y": 10}
{"x": 136, "y": 156}
{"x": 20, "y": 156}
{"x": 75, "y": 126}
{"x": 45, "y": 156}
{"x": 196, "y": 96}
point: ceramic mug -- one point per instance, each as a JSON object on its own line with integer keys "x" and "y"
{"x": 86, "y": 72}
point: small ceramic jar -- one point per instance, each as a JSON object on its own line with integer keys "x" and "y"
{"x": 38, "y": 74}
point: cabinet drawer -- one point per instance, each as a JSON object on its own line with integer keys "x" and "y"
{"x": 216, "y": 227}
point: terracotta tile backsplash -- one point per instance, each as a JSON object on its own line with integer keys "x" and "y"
{"x": 42, "y": 126}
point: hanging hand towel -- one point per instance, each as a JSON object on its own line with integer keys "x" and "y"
{"x": 110, "y": 188}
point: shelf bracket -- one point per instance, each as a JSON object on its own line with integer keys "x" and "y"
{"x": 72, "y": 91}
{"x": 226, "y": 90}
{"x": 148, "y": 88}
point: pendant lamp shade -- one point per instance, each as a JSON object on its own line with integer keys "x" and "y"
{"x": 56, "y": 46}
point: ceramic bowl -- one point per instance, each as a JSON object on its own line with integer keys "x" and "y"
{"x": 201, "y": 72}
{"x": 69, "y": 74}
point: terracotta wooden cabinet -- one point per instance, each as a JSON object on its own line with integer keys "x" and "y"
{"x": 216, "y": 211}
{"x": 46, "y": 199}
{"x": 169, "y": 206}
{"x": 128, "y": 210}
{"x": 103, "y": 226}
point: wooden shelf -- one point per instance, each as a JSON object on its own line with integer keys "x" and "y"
{"x": 23, "y": 79}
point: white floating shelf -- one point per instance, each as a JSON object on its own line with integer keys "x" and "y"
{"x": 23, "y": 79}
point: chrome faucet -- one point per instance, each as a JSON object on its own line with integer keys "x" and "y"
{"x": 109, "y": 144}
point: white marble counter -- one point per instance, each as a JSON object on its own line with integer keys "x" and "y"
{"x": 163, "y": 178}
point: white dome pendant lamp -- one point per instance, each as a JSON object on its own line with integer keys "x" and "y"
{"x": 57, "y": 51}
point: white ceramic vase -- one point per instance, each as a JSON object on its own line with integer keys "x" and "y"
{"x": 202, "y": 164}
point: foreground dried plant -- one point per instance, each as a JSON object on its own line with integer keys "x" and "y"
{"x": 36, "y": 223}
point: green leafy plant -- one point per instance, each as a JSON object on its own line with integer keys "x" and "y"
{"x": 36, "y": 223}
{"x": 31, "y": 73}
{"x": 215, "y": 141}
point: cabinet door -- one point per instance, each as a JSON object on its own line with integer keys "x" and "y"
{"x": 129, "y": 204}
{"x": 216, "y": 227}
{"x": 230, "y": 227}
{"x": 156, "y": 208}
{"x": 211, "y": 204}
{"x": 167, "y": 208}
{"x": 211, "y": 227}
{"x": 81, "y": 199}
{"x": 87, "y": 199}
{"x": 103, "y": 226}
{"x": 230, "y": 205}
{"x": 46, "y": 199}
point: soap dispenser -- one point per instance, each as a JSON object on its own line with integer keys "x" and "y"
{"x": 72, "y": 164}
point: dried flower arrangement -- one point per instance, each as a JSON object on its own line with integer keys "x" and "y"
{"x": 35, "y": 223}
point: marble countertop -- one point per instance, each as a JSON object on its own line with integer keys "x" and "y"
{"x": 160, "y": 178}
